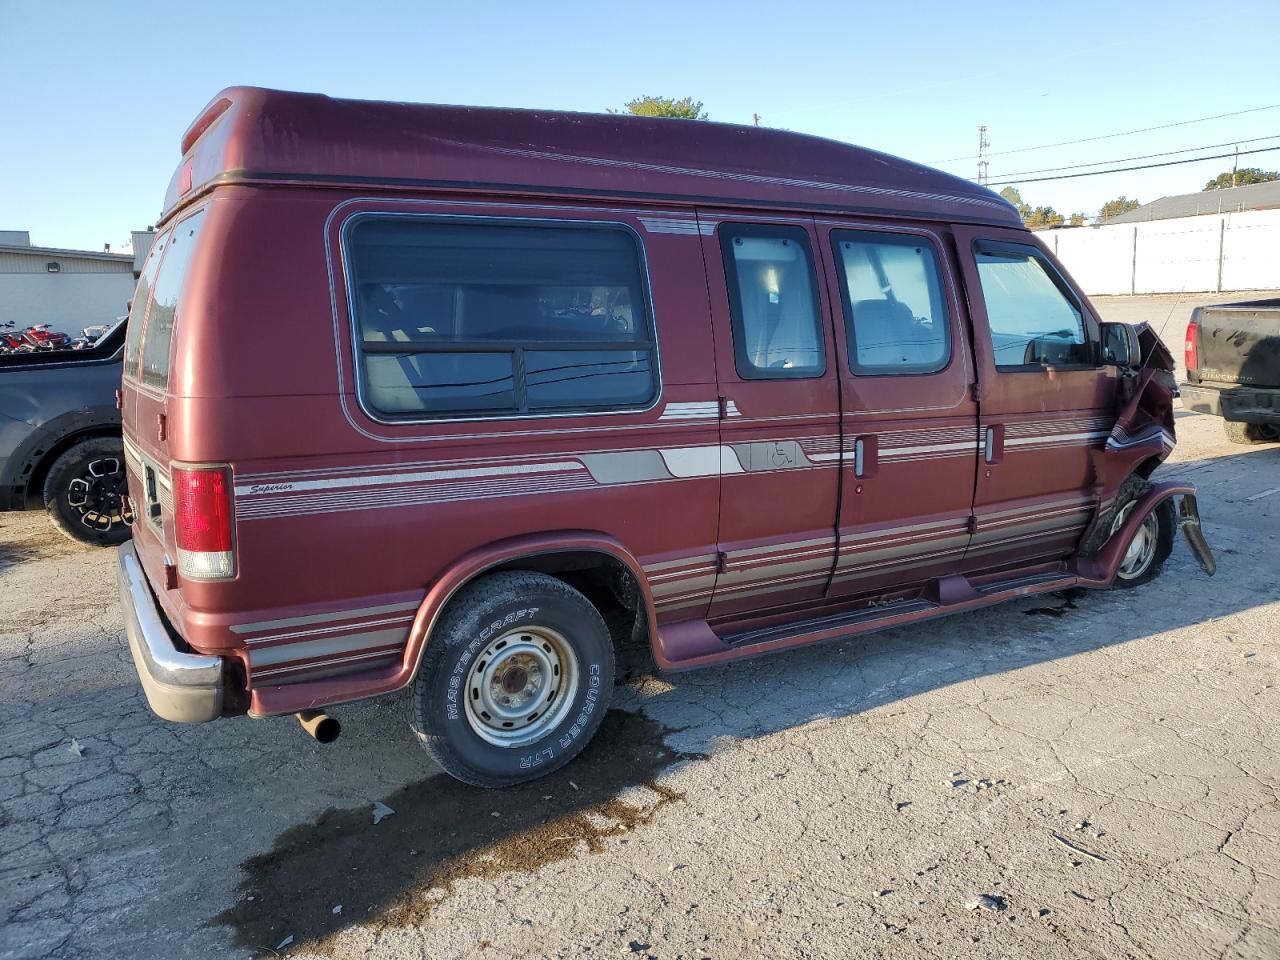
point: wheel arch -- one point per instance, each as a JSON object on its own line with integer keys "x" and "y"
{"x": 553, "y": 553}
{"x": 32, "y": 464}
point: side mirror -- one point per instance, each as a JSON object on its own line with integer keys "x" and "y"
{"x": 1120, "y": 345}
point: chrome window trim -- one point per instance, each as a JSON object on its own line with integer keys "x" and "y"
{"x": 556, "y": 223}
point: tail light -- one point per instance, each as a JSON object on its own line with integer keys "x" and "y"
{"x": 1193, "y": 345}
{"x": 203, "y": 523}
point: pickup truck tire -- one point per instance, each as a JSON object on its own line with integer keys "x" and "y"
{"x": 1250, "y": 432}
{"x": 515, "y": 680}
{"x": 85, "y": 492}
{"x": 1157, "y": 532}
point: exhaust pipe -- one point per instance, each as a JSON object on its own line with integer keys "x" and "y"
{"x": 322, "y": 727}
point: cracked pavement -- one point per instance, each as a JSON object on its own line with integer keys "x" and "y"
{"x": 1102, "y": 767}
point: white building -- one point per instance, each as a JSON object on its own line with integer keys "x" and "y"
{"x": 69, "y": 289}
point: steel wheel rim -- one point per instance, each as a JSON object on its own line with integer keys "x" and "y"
{"x": 1141, "y": 548}
{"x": 521, "y": 686}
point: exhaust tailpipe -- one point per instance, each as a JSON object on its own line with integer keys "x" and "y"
{"x": 322, "y": 727}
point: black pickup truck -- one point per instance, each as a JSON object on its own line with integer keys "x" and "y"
{"x": 1233, "y": 367}
{"x": 60, "y": 444}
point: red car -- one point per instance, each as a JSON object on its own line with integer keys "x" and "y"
{"x": 423, "y": 395}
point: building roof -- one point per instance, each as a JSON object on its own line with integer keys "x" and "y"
{"x": 249, "y": 134}
{"x": 1253, "y": 196}
{"x": 67, "y": 254}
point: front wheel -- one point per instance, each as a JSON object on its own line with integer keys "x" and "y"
{"x": 1150, "y": 547}
{"x": 515, "y": 679}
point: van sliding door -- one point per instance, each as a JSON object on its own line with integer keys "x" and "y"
{"x": 780, "y": 426}
{"x": 910, "y": 420}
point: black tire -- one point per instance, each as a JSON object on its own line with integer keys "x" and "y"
{"x": 447, "y": 699}
{"x": 84, "y": 492}
{"x": 1250, "y": 432}
{"x": 1165, "y": 530}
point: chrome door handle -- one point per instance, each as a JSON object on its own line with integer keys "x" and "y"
{"x": 989, "y": 445}
{"x": 859, "y": 457}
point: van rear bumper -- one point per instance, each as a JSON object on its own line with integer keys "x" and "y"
{"x": 1241, "y": 404}
{"x": 182, "y": 687}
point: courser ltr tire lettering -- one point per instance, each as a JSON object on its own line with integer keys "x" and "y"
{"x": 482, "y": 611}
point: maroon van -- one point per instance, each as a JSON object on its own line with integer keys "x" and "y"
{"x": 429, "y": 395}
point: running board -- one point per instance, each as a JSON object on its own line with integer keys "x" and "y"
{"x": 693, "y": 643}
{"x": 836, "y": 622}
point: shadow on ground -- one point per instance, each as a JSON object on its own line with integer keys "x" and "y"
{"x": 394, "y": 872}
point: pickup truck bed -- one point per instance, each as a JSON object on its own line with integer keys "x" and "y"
{"x": 1233, "y": 367}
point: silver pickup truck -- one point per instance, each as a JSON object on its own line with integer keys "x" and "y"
{"x": 1233, "y": 367}
{"x": 60, "y": 445}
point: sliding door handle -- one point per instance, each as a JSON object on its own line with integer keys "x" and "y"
{"x": 993, "y": 443}
{"x": 864, "y": 456}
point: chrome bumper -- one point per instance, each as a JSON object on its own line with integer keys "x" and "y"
{"x": 182, "y": 687}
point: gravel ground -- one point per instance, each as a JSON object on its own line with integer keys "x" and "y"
{"x": 1066, "y": 776}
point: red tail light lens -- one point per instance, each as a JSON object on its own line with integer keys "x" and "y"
{"x": 203, "y": 522}
{"x": 1193, "y": 346}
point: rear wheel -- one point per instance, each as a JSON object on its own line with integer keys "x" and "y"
{"x": 515, "y": 679}
{"x": 85, "y": 493}
{"x": 1250, "y": 432}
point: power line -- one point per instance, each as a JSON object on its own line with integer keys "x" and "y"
{"x": 1145, "y": 166}
{"x": 1149, "y": 156}
{"x": 1108, "y": 136}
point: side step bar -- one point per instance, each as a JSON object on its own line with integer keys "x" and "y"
{"x": 840, "y": 621}
{"x": 694, "y": 643}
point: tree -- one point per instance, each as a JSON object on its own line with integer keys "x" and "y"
{"x": 1227, "y": 180}
{"x": 685, "y": 108}
{"x": 1113, "y": 208}
{"x": 1077, "y": 220}
{"x": 1042, "y": 218}
{"x": 1014, "y": 197}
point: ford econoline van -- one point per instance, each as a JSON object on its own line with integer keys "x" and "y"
{"x": 455, "y": 399}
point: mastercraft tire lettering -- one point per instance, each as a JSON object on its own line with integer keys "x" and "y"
{"x": 515, "y": 679}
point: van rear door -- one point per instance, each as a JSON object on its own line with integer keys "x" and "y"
{"x": 146, "y": 390}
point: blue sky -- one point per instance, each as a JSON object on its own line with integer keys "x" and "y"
{"x": 96, "y": 96}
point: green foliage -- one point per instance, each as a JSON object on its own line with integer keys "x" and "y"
{"x": 1042, "y": 218}
{"x": 685, "y": 108}
{"x": 1014, "y": 197}
{"x": 1113, "y": 208}
{"x": 1077, "y": 220}
{"x": 1224, "y": 181}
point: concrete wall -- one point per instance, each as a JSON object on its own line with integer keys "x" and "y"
{"x": 1216, "y": 252}
{"x": 69, "y": 301}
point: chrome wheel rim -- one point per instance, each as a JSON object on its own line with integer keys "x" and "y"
{"x": 1141, "y": 548}
{"x": 521, "y": 686}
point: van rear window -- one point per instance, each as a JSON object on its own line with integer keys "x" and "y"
{"x": 157, "y": 336}
{"x": 141, "y": 299}
{"x": 458, "y": 318}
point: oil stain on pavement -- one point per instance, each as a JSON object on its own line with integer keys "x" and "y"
{"x": 396, "y": 871}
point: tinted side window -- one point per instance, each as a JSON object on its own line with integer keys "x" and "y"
{"x": 138, "y": 306}
{"x": 1034, "y": 321}
{"x": 467, "y": 317}
{"x": 157, "y": 337}
{"x": 895, "y": 314}
{"x": 773, "y": 300}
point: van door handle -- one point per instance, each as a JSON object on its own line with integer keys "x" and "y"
{"x": 864, "y": 457}
{"x": 993, "y": 443}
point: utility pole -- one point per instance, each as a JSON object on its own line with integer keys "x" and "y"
{"x": 1235, "y": 164}
{"x": 983, "y": 146}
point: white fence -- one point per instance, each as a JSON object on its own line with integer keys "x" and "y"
{"x": 1210, "y": 253}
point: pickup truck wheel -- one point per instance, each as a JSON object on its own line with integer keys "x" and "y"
{"x": 1250, "y": 432}
{"x": 515, "y": 679}
{"x": 85, "y": 493}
